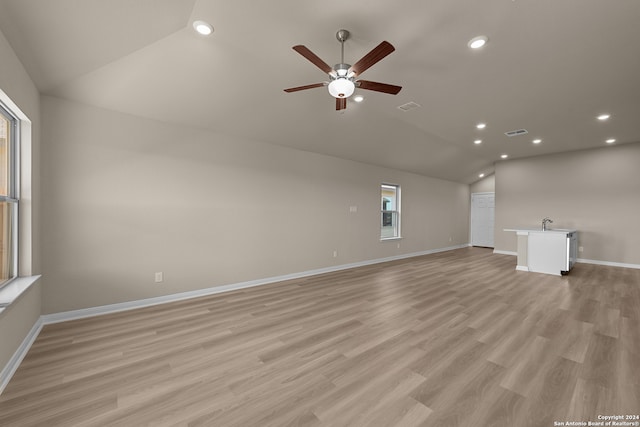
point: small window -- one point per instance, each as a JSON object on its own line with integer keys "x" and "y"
{"x": 8, "y": 195}
{"x": 390, "y": 208}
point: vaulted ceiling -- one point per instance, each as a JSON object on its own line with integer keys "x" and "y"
{"x": 550, "y": 67}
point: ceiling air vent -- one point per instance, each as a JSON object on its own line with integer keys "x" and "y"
{"x": 409, "y": 106}
{"x": 516, "y": 132}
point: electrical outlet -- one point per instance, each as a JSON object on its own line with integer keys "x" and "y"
{"x": 580, "y": 249}
{"x": 335, "y": 254}
{"x": 159, "y": 276}
{"x": 353, "y": 209}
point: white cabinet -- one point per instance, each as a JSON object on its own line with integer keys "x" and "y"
{"x": 550, "y": 252}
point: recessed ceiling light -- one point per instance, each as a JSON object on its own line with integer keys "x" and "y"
{"x": 477, "y": 42}
{"x": 477, "y": 141}
{"x": 610, "y": 141}
{"x": 603, "y": 117}
{"x": 358, "y": 98}
{"x": 504, "y": 156}
{"x": 481, "y": 175}
{"x": 537, "y": 141}
{"x": 481, "y": 125}
{"x": 202, "y": 27}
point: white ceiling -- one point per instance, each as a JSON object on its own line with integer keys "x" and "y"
{"x": 550, "y": 67}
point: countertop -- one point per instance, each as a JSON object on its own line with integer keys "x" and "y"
{"x": 539, "y": 230}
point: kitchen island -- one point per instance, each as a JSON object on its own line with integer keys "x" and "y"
{"x": 550, "y": 251}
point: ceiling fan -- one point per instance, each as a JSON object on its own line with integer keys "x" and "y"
{"x": 342, "y": 77}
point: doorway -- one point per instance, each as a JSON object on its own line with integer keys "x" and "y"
{"x": 483, "y": 206}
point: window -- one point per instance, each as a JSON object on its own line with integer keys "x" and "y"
{"x": 8, "y": 195}
{"x": 390, "y": 208}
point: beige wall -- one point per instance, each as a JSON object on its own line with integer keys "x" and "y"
{"x": 594, "y": 191}
{"x": 17, "y": 320}
{"x": 484, "y": 185}
{"x": 125, "y": 197}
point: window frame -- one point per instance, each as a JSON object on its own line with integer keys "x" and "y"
{"x": 393, "y": 212}
{"x": 13, "y": 189}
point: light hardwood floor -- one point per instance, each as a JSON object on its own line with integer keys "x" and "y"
{"x": 457, "y": 338}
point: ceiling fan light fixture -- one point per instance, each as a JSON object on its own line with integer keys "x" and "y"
{"x": 341, "y": 88}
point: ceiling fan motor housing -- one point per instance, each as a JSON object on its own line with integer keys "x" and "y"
{"x": 341, "y": 69}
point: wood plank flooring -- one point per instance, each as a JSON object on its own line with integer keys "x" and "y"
{"x": 457, "y": 338}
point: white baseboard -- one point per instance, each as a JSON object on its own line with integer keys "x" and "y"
{"x": 579, "y": 260}
{"x": 18, "y": 356}
{"x": 609, "y": 263}
{"x": 496, "y": 251}
{"x": 130, "y": 305}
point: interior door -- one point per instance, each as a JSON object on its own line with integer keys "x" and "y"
{"x": 483, "y": 208}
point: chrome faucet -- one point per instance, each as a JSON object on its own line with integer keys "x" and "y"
{"x": 544, "y": 223}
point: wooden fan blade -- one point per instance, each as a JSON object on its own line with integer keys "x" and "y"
{"x": 311, "y": 86}
{"x": 341, "y": 104}
{"x": 378, "y": 52}
{"x": 313, "y": 58}
{"x": 378, "y": 87}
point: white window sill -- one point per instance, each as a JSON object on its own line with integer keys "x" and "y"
{"x": 14, "y": 289}
{"x": 384, "y": 239}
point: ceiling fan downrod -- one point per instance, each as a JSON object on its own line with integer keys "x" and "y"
{"x": 341, "y": 68}
{"x": 342, "y": 85}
